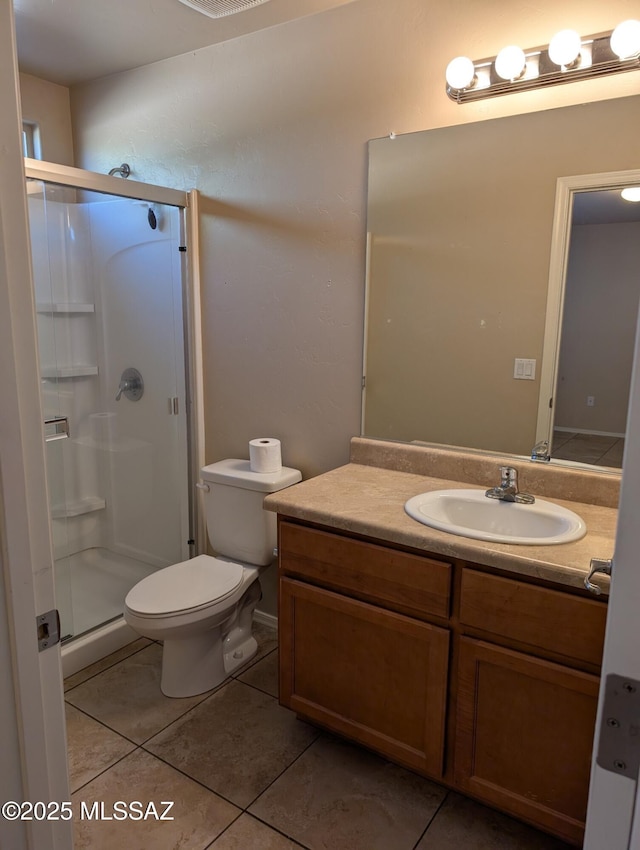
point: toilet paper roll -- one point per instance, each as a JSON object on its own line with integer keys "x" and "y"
{"x": 104, "y": 429}
{"x": 265, "y": 455}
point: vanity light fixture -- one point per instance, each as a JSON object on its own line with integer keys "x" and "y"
{"x": 568, "y": 57}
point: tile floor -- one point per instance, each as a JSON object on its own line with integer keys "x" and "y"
{"x": 588, "y": 448}
{"x": 246, "y": 774}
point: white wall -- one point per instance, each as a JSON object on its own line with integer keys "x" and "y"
{"x": 272, "y": 128}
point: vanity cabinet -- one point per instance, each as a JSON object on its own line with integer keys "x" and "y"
{"x": 524, "y": 724}
{"x": 480, "y": 680}
{"x": 365, "y": 662}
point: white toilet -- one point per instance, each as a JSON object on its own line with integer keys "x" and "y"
{"x": 203, "y": 608}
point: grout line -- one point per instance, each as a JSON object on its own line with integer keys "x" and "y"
{"x": 104, "y": 669}
{"x": 285, "y": 769}
{"x": 431, "y": 819}
{"x": 106, "y": 769}
{"x": 275, "y": 829}
{"x": 102, "y": 723}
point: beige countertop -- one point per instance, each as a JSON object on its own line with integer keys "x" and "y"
{"x": 369, "y": 500}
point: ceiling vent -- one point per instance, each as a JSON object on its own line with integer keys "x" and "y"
{"x": 221, "y": 8}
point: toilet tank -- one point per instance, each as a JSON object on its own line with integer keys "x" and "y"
{"x": 238, "y": 526}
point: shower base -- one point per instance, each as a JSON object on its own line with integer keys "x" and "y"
{"x": 91, "y": 586}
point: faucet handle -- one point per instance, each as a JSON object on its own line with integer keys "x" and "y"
{"x": 541, "y": 451}
{"x": 509, "y": 476}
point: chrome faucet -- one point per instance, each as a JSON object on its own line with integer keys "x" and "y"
{"x": 508, "y": 489}
{"x": 540, "y": 451}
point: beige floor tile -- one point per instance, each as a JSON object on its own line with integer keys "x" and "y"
{"x": 199, "y": 815}
{"x": 91, "y": 748}
{"x": 560, "y": 438}
{"x": 614, "y": 456}
{"x": 264, "y": 674}
{"x": 339, "y": 797}
{"x": 236, "y": 742}
{"x": 247, "y": 833}
{"x": 462, "y": 824}
{"x": 104, "y": 663}
{"x": 127, "y": 697}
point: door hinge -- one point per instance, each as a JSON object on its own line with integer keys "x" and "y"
{"x": 48, "y": 629}
{"x": 619, "y": 743}
{"x": 182, "y": 248}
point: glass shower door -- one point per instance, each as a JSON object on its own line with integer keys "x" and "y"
{"x": 107, "y": 276}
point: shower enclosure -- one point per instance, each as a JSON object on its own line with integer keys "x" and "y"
{"x": 115, "y": 319}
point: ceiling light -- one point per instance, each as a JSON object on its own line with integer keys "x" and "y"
{"x": 631, "y": 193}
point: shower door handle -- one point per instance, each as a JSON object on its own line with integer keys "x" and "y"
{"x": 56, "y": 428}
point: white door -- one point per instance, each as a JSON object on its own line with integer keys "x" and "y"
{"x": 32, "y": 734}
{"x": 612, "y": 797}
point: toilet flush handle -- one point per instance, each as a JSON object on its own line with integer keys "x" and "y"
{"x": 204, "y": 487}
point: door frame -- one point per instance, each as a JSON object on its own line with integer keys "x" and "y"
{"x": 36, "y": 762}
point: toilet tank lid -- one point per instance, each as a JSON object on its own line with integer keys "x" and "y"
{"x": 238, "y": 473}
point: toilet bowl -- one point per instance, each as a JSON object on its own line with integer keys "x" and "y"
{"x": 202, "y": 609}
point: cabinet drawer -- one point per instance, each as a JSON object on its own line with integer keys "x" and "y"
{"x": 536, "y": 616}
{"x": 408, "y": 583}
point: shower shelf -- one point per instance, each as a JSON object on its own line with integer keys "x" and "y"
{"x": 65, "y": 307}
{"x": 77, "y": 371}
{"x": 82, "y": 506}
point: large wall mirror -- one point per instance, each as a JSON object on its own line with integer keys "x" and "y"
{"x": 466, "y": 343}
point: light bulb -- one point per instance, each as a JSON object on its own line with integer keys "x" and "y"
{"x": 564, "y": 47}
{"x": 460, "y": 73}
{"x": 510, "y": 62}
{"x": 625, "y": 39}
{"x": 631, "y": 193}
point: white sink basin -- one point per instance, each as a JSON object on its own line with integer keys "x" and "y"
{"x": 469, "y": 513}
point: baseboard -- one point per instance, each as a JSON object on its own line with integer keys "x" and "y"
{"x": 589, "y": 431}
{"x": 266, "y": 619}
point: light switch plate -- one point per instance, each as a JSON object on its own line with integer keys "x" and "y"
{"x": 524, "y": 369}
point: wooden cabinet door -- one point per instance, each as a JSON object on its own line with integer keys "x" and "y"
{"x": 524, "y": 735}
{"x": 373, "y": 675}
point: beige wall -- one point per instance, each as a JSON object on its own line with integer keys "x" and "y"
{"x": 272, "y": 128}
{"x": 47, "y": 104}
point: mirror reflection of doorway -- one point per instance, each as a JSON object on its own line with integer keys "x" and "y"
{"x": 602, "y": 294}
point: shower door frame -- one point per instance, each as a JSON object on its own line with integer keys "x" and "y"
{"x": 188, "y": 204}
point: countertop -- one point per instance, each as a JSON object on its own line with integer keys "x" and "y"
{"x": 369, "y": 500}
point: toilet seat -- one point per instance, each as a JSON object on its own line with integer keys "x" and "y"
{"x": 186, "y": 586}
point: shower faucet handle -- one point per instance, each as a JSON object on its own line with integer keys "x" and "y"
{"x": 131, "y": 385}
